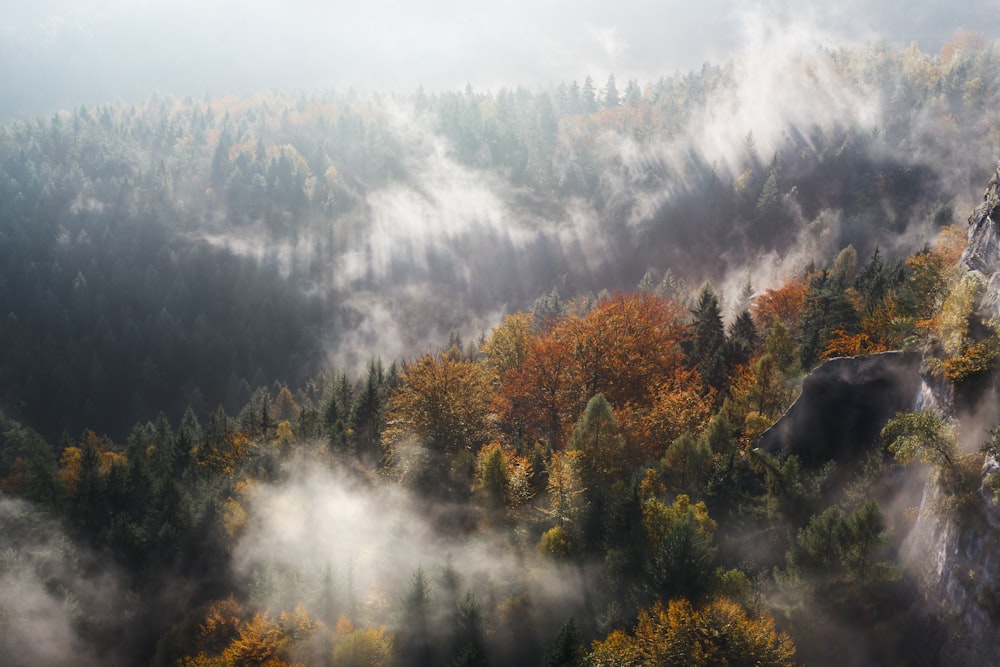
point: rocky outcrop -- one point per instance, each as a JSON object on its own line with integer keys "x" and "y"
{"x": 843, "y": 405}
{"x": 955, "y": 555}
{"x": 955, "y": 559}
{"x": 983, "y": 250}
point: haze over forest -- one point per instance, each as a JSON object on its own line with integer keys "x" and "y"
{"x": 59, "y": 54}
{"x": 396, "y": 334}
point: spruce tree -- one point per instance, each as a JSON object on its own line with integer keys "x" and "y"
{"x": 709, "y": 339}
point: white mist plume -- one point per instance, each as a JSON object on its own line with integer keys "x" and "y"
{"x": 45, "y": 597}
{"x": 373, "y": 537}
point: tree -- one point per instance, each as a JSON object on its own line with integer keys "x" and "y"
{"x": 687, "y": 463}
{"x": 566, "y": 649}
{"x": 845, "y": 266}
{"x": 537, "y": 396}
{"x": 600, "y": 443}
{"x": 368, "y": 415}
{"x": 760, "y": 388}
{"x": 362, "y": 647}
{"x": 678, "y": 634}
{"x": 443, "y": 402}
{"x": 742, "y": 341}
{"x": 625, "y": 347}
{"x": 611, "y": 98}
{"x": 414, "y": 632}
{"x": 568, "y": 504}
{"x": 784, "y": 305}
{"x": 503, "y": 479}
{"x": 469, "y": 640}
{"x": 922, "y": 436}
{"x": 708, "y": 340}
{"x": 827, "y": 308}
{"x": 507, "y": 347}
{"x": 679, "y": 406}
{"x": 679, "y": 536}
{"x": 588, "y": 96}
{"x": 285, "y": 408}
{"x": 866, "y": 530}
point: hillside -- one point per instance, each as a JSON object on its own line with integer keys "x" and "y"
{"x": 498, "y": 377}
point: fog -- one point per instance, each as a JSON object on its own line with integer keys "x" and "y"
{"x": 53, "y": 593}
{"x": 343, "y": 544}
{"x": 58, "y": 53}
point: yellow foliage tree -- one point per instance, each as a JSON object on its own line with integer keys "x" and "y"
{"x": 444, "y": 402}
{"x": 507, "y": 346}
{"x": 720, "y": 633}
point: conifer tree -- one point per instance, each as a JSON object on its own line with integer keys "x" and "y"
{"x": 709, "y": 339}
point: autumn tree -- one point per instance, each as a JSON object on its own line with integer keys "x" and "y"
{"x": 568, "y": 505}
{"x": 719, "y": 633}
{"x": 627, "y": 347}
{"x": 444, "y": 403}
{"x": 783, "y": 304}
{"x": 679, "y": 406}
{"x": 507, "y": 347}
{"x": 535, "y": 398}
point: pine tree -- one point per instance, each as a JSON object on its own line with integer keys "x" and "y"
{"x": 743, "y": 340}
{"x": 611, "y": 97}
{"x": 566, "y": 650}
{"x": 709, "y": 339}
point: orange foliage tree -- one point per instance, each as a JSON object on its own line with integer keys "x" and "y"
{"x": 627, "y": 347}
{"x": 784, "y": 304}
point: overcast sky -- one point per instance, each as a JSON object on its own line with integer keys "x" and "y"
{"x": 61, "y": 53}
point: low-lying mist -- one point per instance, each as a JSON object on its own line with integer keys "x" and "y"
{"x": 347, "y": 545}
{"x": 59, "y": 603}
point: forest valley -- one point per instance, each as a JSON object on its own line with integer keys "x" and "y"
{"x": 208, "y": 283}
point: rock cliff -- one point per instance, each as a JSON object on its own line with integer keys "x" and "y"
{"x": 955, "y": 555}
{"x": 843, "y": 405}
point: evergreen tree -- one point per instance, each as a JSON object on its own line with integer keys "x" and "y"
{"x": 708, "y": 340}
{"x": 611, "y": 97}
{"x": 566, "y": 649}
{"x": 368, "y": 415}
{"x": 827, "y": 308}
{"x": 588, "y": 96}
{"x": 743, "y": 340}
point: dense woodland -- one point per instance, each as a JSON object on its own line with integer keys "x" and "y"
{"x": 190, "y": 478}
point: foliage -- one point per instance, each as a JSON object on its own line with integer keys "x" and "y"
{"x": 922, "y": 436}
{"x": 176, "y": 255}
{"x": 783, "y": 305}
{"x": 443, "y": 402}
{"x": 720, "y": 633}
{"x": 502, "y": 478}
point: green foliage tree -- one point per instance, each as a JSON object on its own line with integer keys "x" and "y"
{"x": 566, "y": 649}
{"x": 920, "y": 435}
{"x": 681, "y": 552}
{"x": 601, "y": 445}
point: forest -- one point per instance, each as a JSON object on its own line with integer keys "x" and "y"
{"x": 480, "y": 378}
